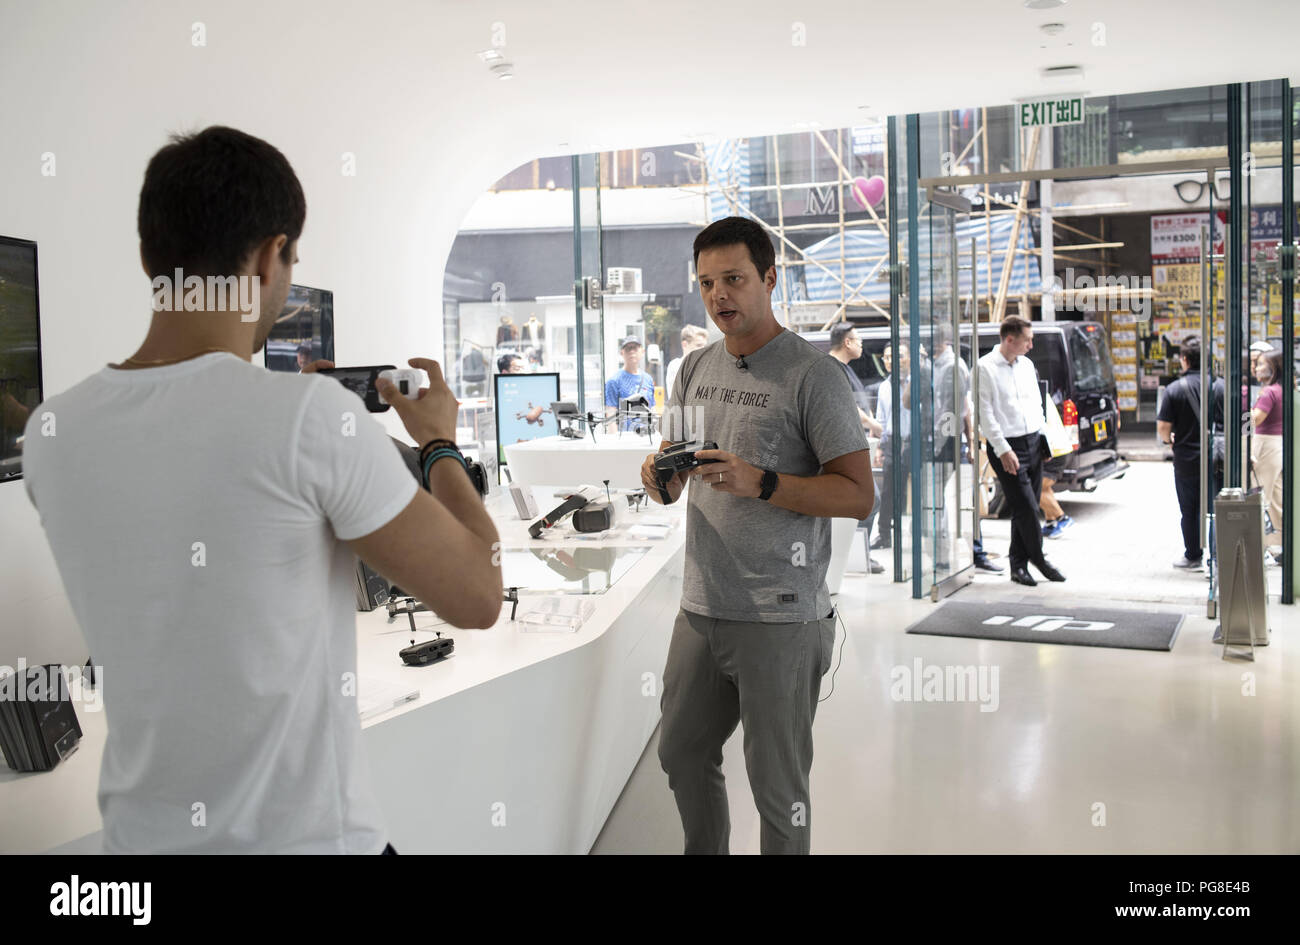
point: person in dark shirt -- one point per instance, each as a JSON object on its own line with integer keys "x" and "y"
{"x": 846, "y": 346}
{"x": 1178, "y": 421}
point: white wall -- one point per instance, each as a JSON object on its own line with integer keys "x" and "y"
{"x": 101, "y": 85}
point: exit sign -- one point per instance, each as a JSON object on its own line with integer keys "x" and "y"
{"x": 1052, "y": 111}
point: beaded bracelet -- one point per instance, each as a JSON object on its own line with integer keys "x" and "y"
{"x": 438, "y": 442}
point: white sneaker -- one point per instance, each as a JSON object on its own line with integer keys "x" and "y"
{"x": 1188, "y": 564}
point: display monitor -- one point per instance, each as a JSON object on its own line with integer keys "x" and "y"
{"x": 303, "y": 331}
{"x": 20, "y": 350}
{"x": 523, "y": 409}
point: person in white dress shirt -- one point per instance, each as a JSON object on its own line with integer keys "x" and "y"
{"x": 693, "y": 338}
{"x": 1011, "y": 418}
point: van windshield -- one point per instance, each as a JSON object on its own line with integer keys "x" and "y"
{"x": 1092, "y": 370}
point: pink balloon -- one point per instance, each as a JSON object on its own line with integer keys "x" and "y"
{"x": 868, "y": 191}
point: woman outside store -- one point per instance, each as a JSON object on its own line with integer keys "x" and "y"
{"x": 1266, "y": 445}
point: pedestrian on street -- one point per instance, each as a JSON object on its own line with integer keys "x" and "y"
{"x": 1011, "y": 417}
{"x": 1178, "y": 421}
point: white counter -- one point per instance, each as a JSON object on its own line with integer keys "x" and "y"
{"x": 559, "y": 460}
{"x": 519, "y": 742}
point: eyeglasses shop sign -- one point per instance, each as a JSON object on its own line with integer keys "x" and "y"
{"x": 1051, "y": 111}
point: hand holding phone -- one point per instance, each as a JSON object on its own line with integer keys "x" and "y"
{"x": 432, "y": 414}
{"x": 362, "y": 382}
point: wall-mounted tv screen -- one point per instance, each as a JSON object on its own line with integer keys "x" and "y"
{"x": 304, "y": 331}
{"x": 20, "y": 350}
{"x": 523, "y": 408}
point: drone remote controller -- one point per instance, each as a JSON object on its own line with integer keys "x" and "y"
{"x": 678, "y": 458}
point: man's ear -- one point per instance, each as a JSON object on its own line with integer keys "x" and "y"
{"x": 266, "y": 255}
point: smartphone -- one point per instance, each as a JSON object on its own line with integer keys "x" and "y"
{"x": 361, "y": 381}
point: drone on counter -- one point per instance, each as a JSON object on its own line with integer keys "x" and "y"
{"x": 634, "y": 410}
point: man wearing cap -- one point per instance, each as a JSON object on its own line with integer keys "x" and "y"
{"x": 629, "y": 382}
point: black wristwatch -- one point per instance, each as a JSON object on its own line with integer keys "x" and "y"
{"x": 767, "y": 485}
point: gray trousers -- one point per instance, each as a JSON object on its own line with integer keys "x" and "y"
{"x": 766, "y": 676}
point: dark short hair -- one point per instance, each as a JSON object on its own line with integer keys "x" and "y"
{"x": 729, "y": 231}
{"x": 211, "y": 198}
{"x": 503, "y": 362}
{"x": 840, "y": 334}
{"x": 1013, "y": 325}
{"x": 1190, "y": 349}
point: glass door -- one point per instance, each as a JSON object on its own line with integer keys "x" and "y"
{"x": 933, "y": 383}
{"x": 943, "y": 543}
{"x": 586, "y": 346}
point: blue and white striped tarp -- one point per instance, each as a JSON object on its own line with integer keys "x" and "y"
{"x": 820, "y": 286}
{"x": 728, "y": 184}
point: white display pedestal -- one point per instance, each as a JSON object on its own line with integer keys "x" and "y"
{"x": 843, "y": 531}
{"x": 561, "y": 461}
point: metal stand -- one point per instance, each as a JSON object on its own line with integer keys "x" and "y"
{"x": 1239, "y": 535}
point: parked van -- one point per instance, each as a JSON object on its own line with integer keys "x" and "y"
{"x": 1073, "y": 362}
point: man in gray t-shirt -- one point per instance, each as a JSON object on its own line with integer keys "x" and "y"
{"x": 756, "y": 630}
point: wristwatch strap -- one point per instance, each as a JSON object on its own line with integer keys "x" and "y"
{"x": 768, "y": 484}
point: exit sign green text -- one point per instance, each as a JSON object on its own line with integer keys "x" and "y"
{"x": 1052, "y": 111}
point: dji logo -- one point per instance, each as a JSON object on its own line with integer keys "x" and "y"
{"x": 1049, "y": 622}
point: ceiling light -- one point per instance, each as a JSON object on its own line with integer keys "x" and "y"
{"x": 1058, "y": 73}
{"x": 1043, "y": 4}
{"x": 490, "y": 55}
{"x": 503, "y": 70}
{"x": 1053, "y": 29}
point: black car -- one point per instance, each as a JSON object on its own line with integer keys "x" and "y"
{"x": 1073, "y": 362}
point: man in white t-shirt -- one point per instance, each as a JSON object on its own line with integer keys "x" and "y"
{"x": 693, "y": 338}
{"x": 204, "y": 514}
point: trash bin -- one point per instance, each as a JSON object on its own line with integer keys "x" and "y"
{"x": 1239, "y": 548}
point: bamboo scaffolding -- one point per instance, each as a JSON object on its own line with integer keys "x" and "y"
{"x": 988, "y": 219}
{"x": 780, "y": 221}
{"x": 1000, "y": 304}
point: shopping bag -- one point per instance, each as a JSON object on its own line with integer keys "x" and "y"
{"x": 1057, "y": 439}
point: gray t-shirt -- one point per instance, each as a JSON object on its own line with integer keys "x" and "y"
{"x": 791, "y": 410}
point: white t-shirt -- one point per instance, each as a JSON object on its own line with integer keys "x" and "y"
{"x": 197, "y": 513}
{"x": 670, "y": 376}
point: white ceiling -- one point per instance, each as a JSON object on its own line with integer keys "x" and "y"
{"x": 653, "y": 72}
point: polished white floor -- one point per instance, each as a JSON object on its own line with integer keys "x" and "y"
{"x": 1090, "y": 750}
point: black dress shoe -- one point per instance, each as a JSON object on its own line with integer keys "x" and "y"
{"x": 880, "y": 542}
{"x": 984, "y": 564}
{"x": 1049, "y": 571}
{"x": 1021, "y": 576}
{"x": 874, "y": 567}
